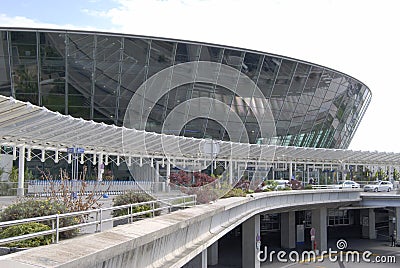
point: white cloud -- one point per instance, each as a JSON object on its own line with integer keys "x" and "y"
{"x": 25, "y": 22}
{"x": 356, "y": 37}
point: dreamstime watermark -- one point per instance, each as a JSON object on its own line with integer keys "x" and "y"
{"x": 339, "y": 255}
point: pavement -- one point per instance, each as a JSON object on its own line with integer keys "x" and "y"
{"x": 381, "y": 255}
{"x": 6, "y": 201}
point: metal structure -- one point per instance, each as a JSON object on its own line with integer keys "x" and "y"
{"x": 23, "y": 125}
{"x": 98, "y": 217}
{"x": 93, "y": 75}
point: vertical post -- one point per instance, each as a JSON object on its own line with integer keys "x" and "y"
{"x": 204, "y": 258}
{"x": 212, "y": 254}
{"x": 212, "y": 157}
{"x": 157, "y": 177}
{"x": 57, "y": 228}
{"x": 250, "y": 232}
{"x": 288, "y": 230}
{"x": 290, "y": 171}
{"x": 100, "y": 168}
{"x": 273, "y": 171}
{"x": 230, "y": 172}
{"x": 52, "y": 228}
{"x": 371, "y": 224}
{"x": 319, "y": 222}
{"x": 397, "y": 224}
{"x": 168, "y": 174}
{"x": 21, "y": 171}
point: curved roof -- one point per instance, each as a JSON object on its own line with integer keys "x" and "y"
{"x": 94, "y": 75}
{"x": 24, "y": 124}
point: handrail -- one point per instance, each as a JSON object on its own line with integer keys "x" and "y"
{"x": 98, "y": 220}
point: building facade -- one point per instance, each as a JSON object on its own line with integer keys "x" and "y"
{"x": 94, "y": 75}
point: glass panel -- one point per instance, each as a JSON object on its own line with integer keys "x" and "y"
{"x": 161, "y": 56}
{"x": 251, "y": 65}
{"x": 3, "y": 44}
{"x": 187, "y": 53}
{"x": 5, "y": 83}
{"x": 81, "y": 46}
{"x": 209, "y": 53}
{"x": 268, "y": 73}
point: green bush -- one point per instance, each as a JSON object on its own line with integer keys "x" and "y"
{"x": 235, "y": 192}
{"x": 132, "y": 197}
{"x": 30, "y": 209}
{"x": 37, "y": 208}
{"x": 27, "y": 228}
{"x": 308, "y": 187}
{"x": 270, "y": 185}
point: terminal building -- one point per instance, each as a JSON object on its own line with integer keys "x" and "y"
{"x": 95, "y": 75}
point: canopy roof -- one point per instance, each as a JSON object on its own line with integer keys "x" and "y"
{"x": 24, "y": 124}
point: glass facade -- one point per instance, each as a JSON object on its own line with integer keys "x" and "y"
{"x": 94, "y": 76}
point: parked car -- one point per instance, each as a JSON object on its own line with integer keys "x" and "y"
{"x": 279, "y": 184}
{"x": 379, "y": 186}
{"x": 346, "y": 184}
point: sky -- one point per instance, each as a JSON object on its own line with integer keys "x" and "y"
{"x": 358, "y": 37}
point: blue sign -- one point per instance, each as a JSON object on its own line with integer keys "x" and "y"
{"x": 75, "y": 150}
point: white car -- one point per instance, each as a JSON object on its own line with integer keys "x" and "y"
{"x": 346, "y": 184}
{"x": 280, "y": 185}
{"x": 379, "y": 186}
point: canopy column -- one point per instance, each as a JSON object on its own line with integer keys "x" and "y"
{"x": 21, "y": 171}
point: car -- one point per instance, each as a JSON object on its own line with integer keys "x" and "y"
{"x": 280, "y": 184}
{"x": 346, "y": 184}
{"x": 379, "y": 186}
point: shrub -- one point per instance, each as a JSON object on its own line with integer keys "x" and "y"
{"x": 235, "y": 192}
{"x": 270, "y": 185}
{"x": 308, "y": 187}
{"x": 132, "y": 197}
{"x": 27, "y": 228}
{"x": 32, "y": 208}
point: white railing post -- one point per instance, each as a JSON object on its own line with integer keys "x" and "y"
{"x": 57, "y": 228}
{"x": 131, "y": 212}
{"x": 101, "y": 219}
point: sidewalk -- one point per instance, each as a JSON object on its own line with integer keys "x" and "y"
{"x": 6, "y": 201}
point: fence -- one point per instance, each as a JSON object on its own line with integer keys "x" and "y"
{"x": 44, "y": 188}
{"x": 95, "y": 217}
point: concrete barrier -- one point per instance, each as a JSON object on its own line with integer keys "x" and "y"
{"x": 170, "y": 240}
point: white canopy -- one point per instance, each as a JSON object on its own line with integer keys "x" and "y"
{"x": 24, "y": 124}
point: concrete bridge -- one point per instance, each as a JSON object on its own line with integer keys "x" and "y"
{"x": 191, "y": 235}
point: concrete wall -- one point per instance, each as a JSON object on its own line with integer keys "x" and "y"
{"x": 170, "y": 240}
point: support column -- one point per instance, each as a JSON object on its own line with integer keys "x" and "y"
{"x": 371, "y": 224}
{"x": 290, "y": 171}
{"x": 21, "y": 171}
{"x": 230, "y": 172}
{"x": 100, "y": 168}
{"x": 204, "y": 259}
{"x": 157, "y": 178}
{"x": 212, "y": 254}
{"x": 319, "y": 222}
{"x": 397, "y": 224}
{"x": 250, "y": 232}
{"x": 168, "y": 174}
{"x": 288, "y": 230}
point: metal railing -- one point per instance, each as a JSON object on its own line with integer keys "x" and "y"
{"x": 45, "y": 188}
{"x": 95, "y": 217}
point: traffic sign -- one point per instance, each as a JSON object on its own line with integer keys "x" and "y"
{"x": 74, "y": 150}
